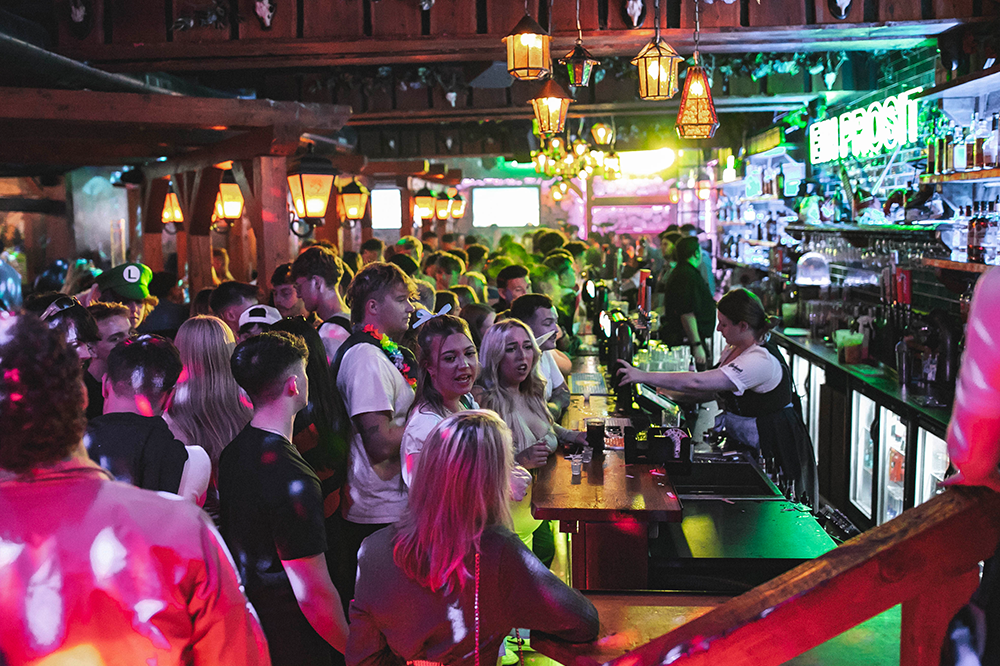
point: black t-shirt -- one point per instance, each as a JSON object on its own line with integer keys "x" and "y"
{"x": 136, "y": 449}
{"x": 95, "y": 396}
{"x": 686, "y": 292}
{"x": 271, "y": 509}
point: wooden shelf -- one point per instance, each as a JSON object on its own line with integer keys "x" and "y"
{"x": 875, "y": 229}
{"x": 762, "y": 243}
{"x": 956, "y": 265}
{"x": 972, "y": 85}
{"x": 963, "y": 176}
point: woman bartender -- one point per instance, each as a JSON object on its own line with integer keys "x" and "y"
{"x": 753, "y": 387}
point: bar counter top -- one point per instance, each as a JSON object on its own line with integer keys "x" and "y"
{"x": 881, "y": 380}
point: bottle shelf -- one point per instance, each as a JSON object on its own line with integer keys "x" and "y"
{"x": 956, "y": 265}
{"x": 963, "y": 177}
{"x": 972, "y": 85}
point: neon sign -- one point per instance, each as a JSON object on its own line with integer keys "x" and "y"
{"x": 867, "y": 131}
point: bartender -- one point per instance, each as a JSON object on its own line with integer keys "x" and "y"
{"x": 753, "y": 386}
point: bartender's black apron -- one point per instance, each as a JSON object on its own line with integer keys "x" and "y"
{"x": 781, "y": 431}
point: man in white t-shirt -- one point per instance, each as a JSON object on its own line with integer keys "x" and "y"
{"x": 316, "y": 274}
{"x": 537, "y": 311}
{"x": 377, "y": 397}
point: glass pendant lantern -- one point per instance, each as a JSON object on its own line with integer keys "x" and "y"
{"x": 550, "y": 106}
{"x": 657, "y": 63}
{"x": 354, "y": 199}
{"x": 528, "y": 57}
{"x": 310, "y": 181}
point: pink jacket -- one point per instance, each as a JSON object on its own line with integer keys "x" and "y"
{"x": 110, "y": 574}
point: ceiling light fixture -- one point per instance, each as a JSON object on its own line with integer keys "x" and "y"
{"x": 310, "y": 181}
{"x": 579, "y": 63}
{"x": 696, "y": 118}
{"x": 550, "y": 106}
{"x": 528, "y": 57}
{"x": 657, "y": 63}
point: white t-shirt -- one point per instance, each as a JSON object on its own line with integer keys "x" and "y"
{"x": 418, "y": 427}
{"x": 756, "y": 369}
{"x": 550, "y": 373}
{"x": 370, "y": 382}
{"x": 196, "y": 475}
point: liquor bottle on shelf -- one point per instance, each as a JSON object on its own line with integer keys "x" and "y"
{"x": 948, "y": 150}
{"x": 958, "y": 150}
{"x": 978, "y": 225}
{"x": 973, "y": 145}
{"x": 991, "y": 241}
{"x": 990, "y": 143}
{"x": 931, "y": 167}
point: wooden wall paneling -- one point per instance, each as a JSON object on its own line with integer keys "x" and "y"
{"x": 489, "y": 98}
{"x": 439, "y": 100}
{"x": 379, "y": 95}
{"x": 504, "y": 14}
{"x": 315, "y": 89}
{"x": 322, "y": 18}
{"x": 200, "y": 34}
{"x": 783, "y": 12}
{"x": 284, "y": 20}
{"x": 897, "y": 10}
{"x": 945, "y": 9}
{"x": 395, "y": 18}
{"x": 855, "y": 14}
{"x": 612, "y": 89}
{"x": 350, "y": 96}
{"x": 716, "y": 15}
{"x": 427, "y": 141}
{"x": 133, "y": 22}
{"x": 616, "y": 22}
{"x": 453, "y": 17}
{"x": 564, "y": 18}
{"x": 67, "y": 40}
{"x": 522, "y": 91}
{"x": 414, "y": 97}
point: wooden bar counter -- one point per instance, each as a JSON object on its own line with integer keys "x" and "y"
{"x": 606, "y": 511}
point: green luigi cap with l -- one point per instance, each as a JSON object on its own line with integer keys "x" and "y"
{"x": 129, "y": 281}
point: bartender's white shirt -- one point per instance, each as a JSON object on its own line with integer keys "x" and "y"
{"x": 756, "y": 369}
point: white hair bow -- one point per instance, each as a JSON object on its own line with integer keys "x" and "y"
{"x": 424, "y": 316}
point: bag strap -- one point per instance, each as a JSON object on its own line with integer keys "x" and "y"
{"x": 476, "y": 608}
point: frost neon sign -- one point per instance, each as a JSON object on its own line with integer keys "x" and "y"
{"x": 867, "y": 131}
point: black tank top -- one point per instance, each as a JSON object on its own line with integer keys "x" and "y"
{"x": 753, "y": 404}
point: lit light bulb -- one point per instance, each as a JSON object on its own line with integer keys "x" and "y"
{"x": 697, "y": 89}
{"x": 654, "y": 69}
{"x": 554, "y": 103}
{"x": 530, "y": 40}
{"x": 557, "y": 195}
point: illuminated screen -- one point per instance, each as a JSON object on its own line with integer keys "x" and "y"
{"x": 505, "y": 206}
{"x": 387, "y": 209}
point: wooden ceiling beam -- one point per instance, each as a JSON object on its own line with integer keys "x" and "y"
{"x": 264, "y": 141}
{"x": 284, "y": 53}
{"x": 167, "y": 110}
{"x": 383, "y": 168}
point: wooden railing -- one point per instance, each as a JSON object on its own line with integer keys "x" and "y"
{"x": 926, "y": 559}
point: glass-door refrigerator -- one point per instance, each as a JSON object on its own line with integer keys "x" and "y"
{"x": 892, "y": 464}
{"x": 864, "y": 437}
{"x": 932, "y": 465}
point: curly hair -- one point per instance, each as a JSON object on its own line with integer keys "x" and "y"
{"x": 42, "y": 398}
{"x": 373, "y": 282}
{"x": 318, "y": 261}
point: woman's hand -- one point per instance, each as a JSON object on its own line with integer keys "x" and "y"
{"x": 578, "y": 437}
{"x": 699, "y": 355}
{"x": 520, "y": 479}
{"x": 534, "y": 456}
{"x": 628, "y": 373}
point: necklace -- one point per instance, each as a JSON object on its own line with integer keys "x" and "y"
{"x": 393, "y": 353}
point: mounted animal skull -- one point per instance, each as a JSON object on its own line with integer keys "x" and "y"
{"x": 265, "y": 12}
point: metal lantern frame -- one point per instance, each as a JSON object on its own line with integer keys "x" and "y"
{"x": 310, "y": 179}
{"x": 457, "y": 207}
{"x": 696, "y": 117}
{"x": 172, "y": 210}
{"x": 604, "y": 134}
{"x": 442, "y": 206}
{"x": 579, "y": 62}
{"x": 354, "y": 200}
{"x": 229, "y": 200}
{"x": 550, "y": 106}
{"x": 657, "y": 63}
{"x": 528, "y": 54}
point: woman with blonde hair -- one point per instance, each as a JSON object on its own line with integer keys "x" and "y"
{"x": 449, "y": 581}
{"x": 513, "y": 387}
{"x": 208, "y": 409}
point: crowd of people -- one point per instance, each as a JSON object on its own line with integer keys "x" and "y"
{"x": 360, "y": 442}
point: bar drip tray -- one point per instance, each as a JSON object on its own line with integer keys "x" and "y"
{"x": 724, "y": 479}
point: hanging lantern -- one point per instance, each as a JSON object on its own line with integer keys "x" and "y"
{"x": 556, "y": 146}
{"x": 612, "y": 166}
{"x": 172, "y": 210}
{"x": 674, "y": 195}
{"x": 657, "y": 64}
{"x": 557, "y": 195}
{"x": 550, "y": 106}
{"x": 425, "y": 202}
{"x": 310, "y": 181}
{"x": 442, "y": 206}
{"x": 603, "y": 134}
{"x": 457, "y": 207}
{"x": 354, "y": 199}
{"x": 528, "y": 57}
{"x": 579, "y": 63}
{"x": 229, "y": 200}
{"x": 696, "y": 119}
{"x": 704, "y": 190}
{"x": 580, "y": 148}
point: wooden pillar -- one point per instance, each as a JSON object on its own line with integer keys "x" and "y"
{"x": 366, "y": 222}
{"x": 200, "y": 194}
{"x": 134, "y": 197}
{"x": 332, "y": 225}
{"x": 588, "y": 209}
{"x": 238, "y": 246}
{"x": 406, "y": 206}
{"x": 155, "y": 192}
{"x": 270, "y": 217}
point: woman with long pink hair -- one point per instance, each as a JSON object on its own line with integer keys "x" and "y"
{"x": 449, "y": 581}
